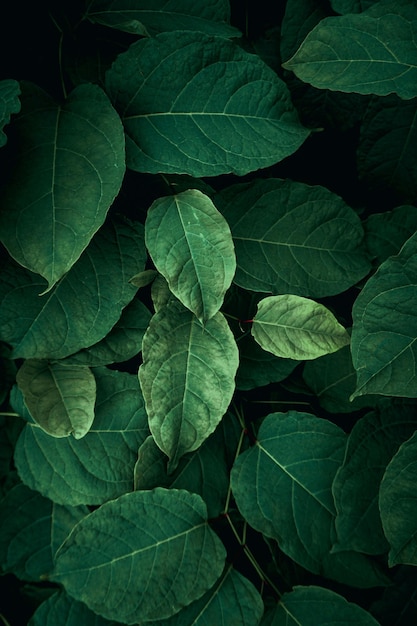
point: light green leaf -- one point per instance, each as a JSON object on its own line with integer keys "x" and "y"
{"x": 62, "y": 610}
{"x": 47, "y": 223}
{"x": 386, "y": 160}
{"x": 384, "y": 331}
{"x": 370, "y": 53}
{"x": 282, "y": 485}
{"x": 31, "y": 530}
{"x": 293, "y": 238}
{"x": 387, "y": 232}
{"x": 225, "y": 111}
{"x": 398, "y": 504}
{"x": 142, "y": 279}
{"x": 187, "y": 378}
{"x": 102, "y": 463}
{"x": 143, "y": 556}
{"x": 293, "y": 327}
{"x": 373, "y": 441}
{"x": 60, "y": 398}
{"x": 83, "y": 307}
{"x": 154, "y": 16}
{"x": 9, "y": 104}
{"x": 310, "y": 606}
{"x": 191, "y": 246}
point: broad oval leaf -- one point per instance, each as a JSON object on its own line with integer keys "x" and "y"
{"x": 370, "y": 53}
{"x": 83, "y": 307}
{"x": 384, "y": 332}
{"x": 9, "y": 104}
{"x": 293, "y": 327}
{"x": 224, "y": 111}
{"x": 187, "y": 378}
{"x": 60, "y": 398}
{"x": 154, "y": 16}
{"x": 310, "y": 606}
{"x": 102, "y": 463}
{"x": 143, "y": 556}
{"x": 398, "y": 504}
{"x": 191, "y": 246}
{"x": 282, "y": 485}
{"x": 293, "y": 238}
{"x": 72, "y": 159}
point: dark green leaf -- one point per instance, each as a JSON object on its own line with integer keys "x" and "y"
{"x": 386, "y": 233}
{"x": 48, "y": 222}
{"x": 293, "y": 238}
{"x": 191, "y": 246}
{"x": 370, "y": 53}
{"x": 397, "y": 606}
{"x": 151, "y": 549}
{"x": 101, "y": 463}
{"x": 225, "y": 111}
{"x": 351, "y": 6}
{"x": 62, "y": 610}
{"x": 9, "y": 104}
{"x": 83, "y": 306}
{"x": 293, "y": 327}
{"x": 187, "y": 378}
{"x": 258, "y": 367}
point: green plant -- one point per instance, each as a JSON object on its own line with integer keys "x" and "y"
{"x": 208, "y": 315}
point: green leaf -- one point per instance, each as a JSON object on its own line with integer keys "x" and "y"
{"x": 225, "y": 111}
{"x": 60, "y": 398}
{"x": 398, "y": 504}
{"x": 47, "y": 222}
{"x": 101, "y": 463}
{"x": 310, "y": 606}
{"x": 83, "y": 306}
{"x": 152, "y": 549}
{"x": 31, "y": 530}
{"x": 293, "y": 327}
{"x": 386, "y": 160}
{"x": 370, "y": 53}
{"x": 386, "y": 233}
{"x": 62, "y": 610}
{"x": 384, "y": 328}
{"x": 351, "y": 6}
{"x": 293, "y": 238}
{"x": 154, "y": 16}
{"x": 9, "y": 104}
{"x": 191, "y": 246}
{"x": 258, "y": 367}
{"x": 397, "y": 604}
{"x": 373, "y": 441}
{"x": 187, "y": 378}
{"x": 282, "y": 485}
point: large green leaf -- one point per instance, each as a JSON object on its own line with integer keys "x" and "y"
{"x": 398, "y": 504}
{"x": 143, "y": 556}
{"x": 386, "y": 233}
{"x": 282, "y": 485}
{"x": 154, "y": 16}
{"x": 293, "y": 238}
{"x": 293, "y": 327}
{"x": 31, "y": 530}
{"x": 373, "y": 52}
{"x": 384, "y": 331}
{"x": 220, "y": 110}
{"x": 310, "y": 606}
{"x": 72, "y": 159}
{"x": 101, "y": 463}
{"x": 386, "y": 159}
{"x": 9, "y": 104}
{"x": 83, "y": 307}
{"x": 191, "y": 246}
{"x": 60, "y": 398}
{"x": 187, "y": 378}
{"x": 62, "y": 610}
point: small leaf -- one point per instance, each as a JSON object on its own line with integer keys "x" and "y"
{"x": 62, "y": 610}
{"x": 224, "y": 111}
{"x": 191, "y": 246}
{"x": 293, "y": 327}
{"x": 153, "y": 549}
{"x": 9, "y": 104}
{"x": 60, "y": 398}
{"x": 398, "y": 504}
{"x": 47, "y": 222}
{"x": 187, "y": 378}
{"x": 387, "y": 232}
{"x": 370, "y": 53}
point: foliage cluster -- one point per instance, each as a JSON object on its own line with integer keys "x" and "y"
{"x": 208, "y": 314}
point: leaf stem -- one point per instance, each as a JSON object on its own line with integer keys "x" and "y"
{"x": 8, "y": 414}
